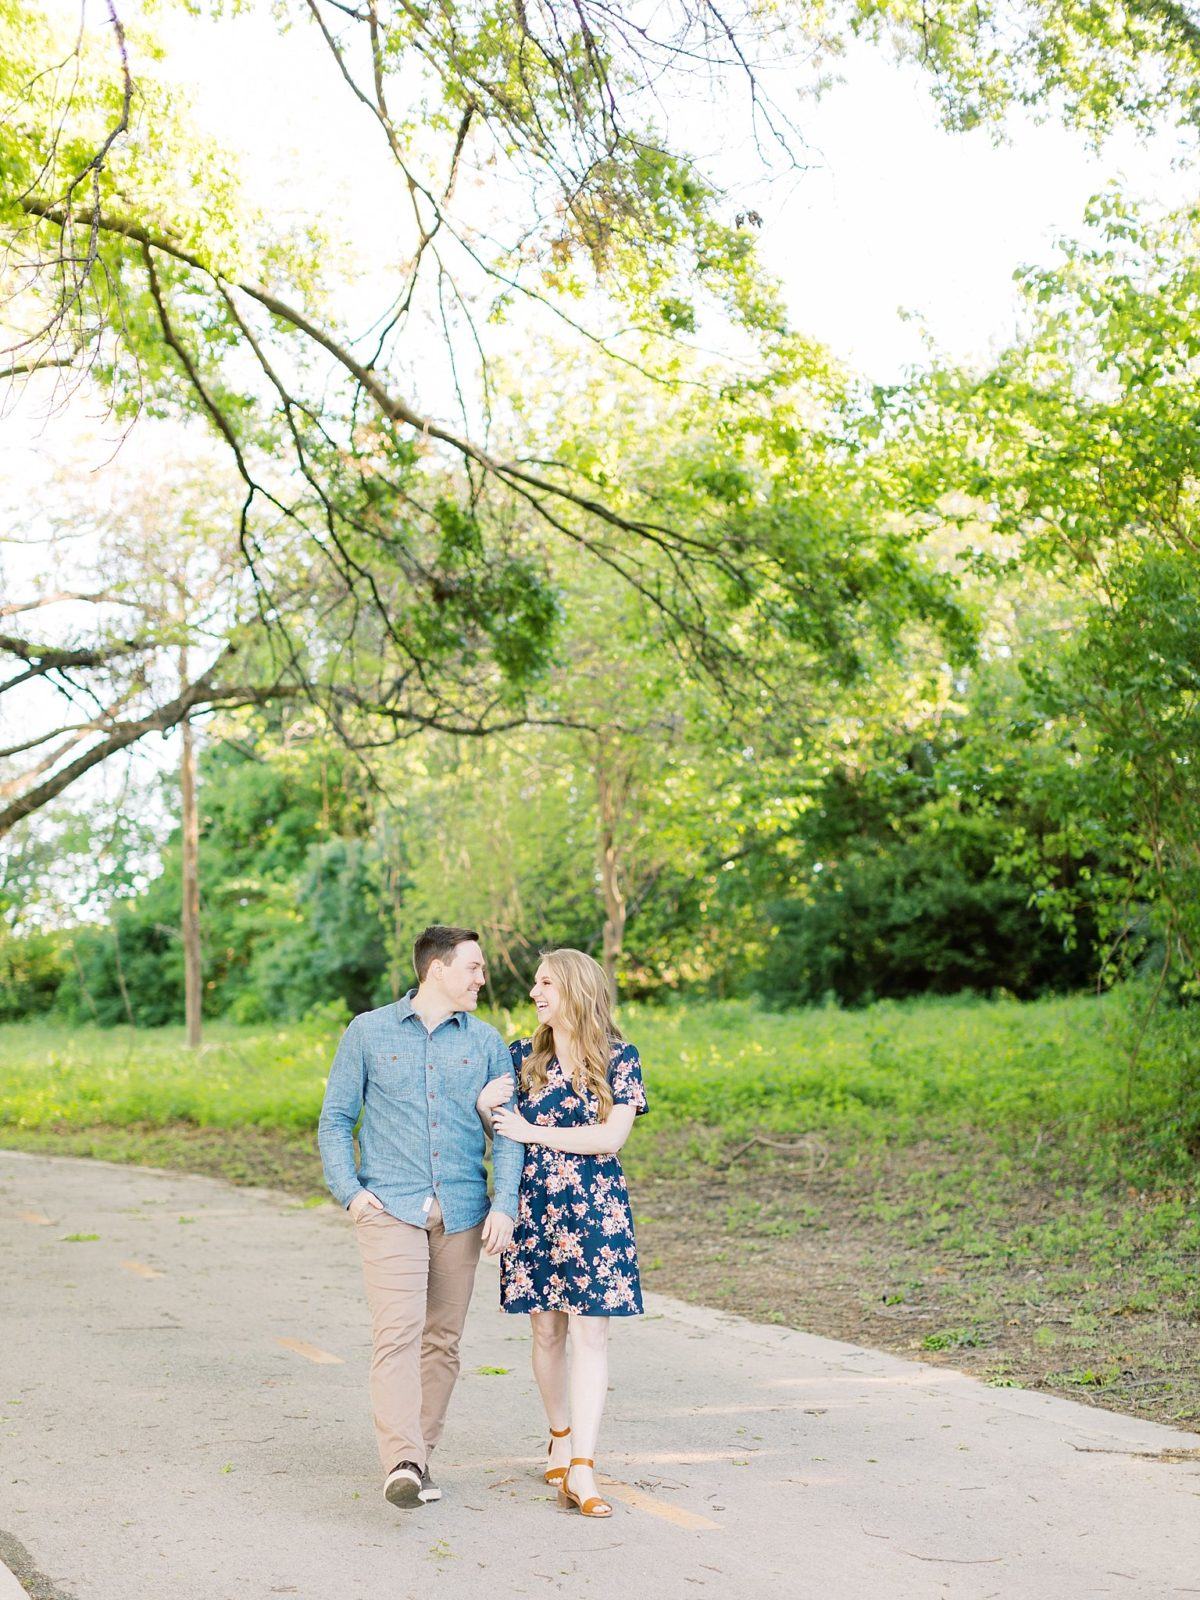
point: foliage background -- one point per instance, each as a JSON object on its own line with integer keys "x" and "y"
{"x": 684, "y": 643}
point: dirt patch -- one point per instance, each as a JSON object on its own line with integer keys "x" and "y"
{"x": 1113, "y": 1327}
{"x": 956, "y": 1256}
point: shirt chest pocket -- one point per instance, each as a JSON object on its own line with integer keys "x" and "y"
{"x": 400, "y": 1076}
{"x": 463, "y": 1076}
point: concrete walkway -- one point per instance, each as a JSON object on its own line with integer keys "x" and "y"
{"x": 183, "y": 1417}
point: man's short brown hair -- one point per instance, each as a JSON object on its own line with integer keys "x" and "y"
{"x": 438, "y": 943}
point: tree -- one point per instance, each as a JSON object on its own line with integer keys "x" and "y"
{"x": 1080, "y": 449}
{"x": 183, "y": 299}
{"x": 1095, "y": 66}
{"x": 218, "y": 316}
{"x": 144, "y": 613}
{"x": 103, "y": 651}
{"x": 781, "y": 471}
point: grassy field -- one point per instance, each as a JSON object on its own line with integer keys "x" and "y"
{"x": 726, "y": 1068}
{"x": 983, "y": 1182}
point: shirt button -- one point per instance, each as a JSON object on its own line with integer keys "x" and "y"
{"x": 435, "y": 1155}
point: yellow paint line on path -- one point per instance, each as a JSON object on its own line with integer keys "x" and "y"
{"x": 142, "y": 1270}
{"x": 641, "y": 1501}
{"x": 34, "y": 1216}
{"x": 310, "y": 1352}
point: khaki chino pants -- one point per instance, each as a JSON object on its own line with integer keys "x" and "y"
{"x": 419, "y": 1283}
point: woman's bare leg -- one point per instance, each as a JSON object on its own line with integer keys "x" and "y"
{"x": 589, "y": 1391}
{"x": 550, "y": 1374}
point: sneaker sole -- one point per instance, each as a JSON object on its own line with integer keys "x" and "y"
{"x": 403, "y": 1493}
{"x": 426, "y": 1495}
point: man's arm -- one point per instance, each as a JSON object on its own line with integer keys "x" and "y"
{"x": 344, "y": 1092}
{"x": 507, "y": 1160}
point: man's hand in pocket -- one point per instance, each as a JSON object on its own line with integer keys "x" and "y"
{"x": 363, "y": 1202}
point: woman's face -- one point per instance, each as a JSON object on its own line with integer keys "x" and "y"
{"x": 546, "y": 995}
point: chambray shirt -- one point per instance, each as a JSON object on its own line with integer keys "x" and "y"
{"x": 421, "y": 1136}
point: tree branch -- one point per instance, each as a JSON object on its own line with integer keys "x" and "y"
{"x": 118, "y": 738}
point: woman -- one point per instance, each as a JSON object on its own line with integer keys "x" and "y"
{"x": 572, "y": 1263}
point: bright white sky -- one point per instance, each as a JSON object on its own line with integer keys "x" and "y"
{"x": 905, "y": 216}
{"x": 897, "y": 215}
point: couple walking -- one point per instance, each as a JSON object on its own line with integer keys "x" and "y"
{"x": 431, "y": 1082}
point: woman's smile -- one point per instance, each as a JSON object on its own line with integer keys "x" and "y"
{"x": 545, "y": 996}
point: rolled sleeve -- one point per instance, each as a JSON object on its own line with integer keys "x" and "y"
{"x": 625, "y": 1079}
{"x": 340, "y": 1110}
{"x": 508, "y": 1156}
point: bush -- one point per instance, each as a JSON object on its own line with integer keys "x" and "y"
{"x": 333, "y": 953}
{"x": 32, "y": 968}
{"x": 929, "y": 916}
{"x": 129, "y": 970}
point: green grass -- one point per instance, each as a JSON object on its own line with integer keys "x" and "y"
{"x": 924, "y": 1069}
{"x": 891, "y": 1072}
{"x": 889, "y": 1067}
{"x": 52, "y": 1077}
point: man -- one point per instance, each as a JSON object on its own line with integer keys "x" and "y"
{"x": 419, "y": 1197}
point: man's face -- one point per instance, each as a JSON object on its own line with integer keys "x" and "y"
{"x": 463, "y": 975}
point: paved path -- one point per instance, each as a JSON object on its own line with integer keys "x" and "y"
{"x": 183, "y": 1405}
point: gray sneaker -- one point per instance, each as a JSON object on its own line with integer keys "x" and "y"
{"x": 403, "y": 1486}
{"x": 428, "y": 1490}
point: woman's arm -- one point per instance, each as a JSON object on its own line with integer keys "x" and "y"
{"x": 601, "y": 1139}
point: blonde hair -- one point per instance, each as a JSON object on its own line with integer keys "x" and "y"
{"x": 587, "y": 1017}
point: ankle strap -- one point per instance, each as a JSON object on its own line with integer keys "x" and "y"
{"x": 559, "y": 1433}
{"x": 582, "y": 1461}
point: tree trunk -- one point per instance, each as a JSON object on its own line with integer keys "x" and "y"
{"x": 190, "y": 920}
{"x": 120, "y": 965}
{"x": 397, "y": 968}
{"x": 609, "y": 789}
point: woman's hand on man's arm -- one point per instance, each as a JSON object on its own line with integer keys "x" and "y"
{"x": 496, "y": 1092}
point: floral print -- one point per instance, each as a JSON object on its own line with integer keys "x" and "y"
{"x": 573, "y": 1248}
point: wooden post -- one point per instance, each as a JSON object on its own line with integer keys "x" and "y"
{"x": 608, "y": 807}
{"x": 190, "y": 918}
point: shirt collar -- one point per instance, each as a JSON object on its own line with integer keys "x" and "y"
{"x": 405, "y": 1004}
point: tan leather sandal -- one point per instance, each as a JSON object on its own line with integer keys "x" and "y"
{"x": 556, "y": 1474}
{"x": 593, "y": 1506}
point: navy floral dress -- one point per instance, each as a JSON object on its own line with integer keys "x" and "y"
{"x": 573, "y": 1247}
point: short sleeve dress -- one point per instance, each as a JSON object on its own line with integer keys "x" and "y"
{"x": 573, "y": 1247}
